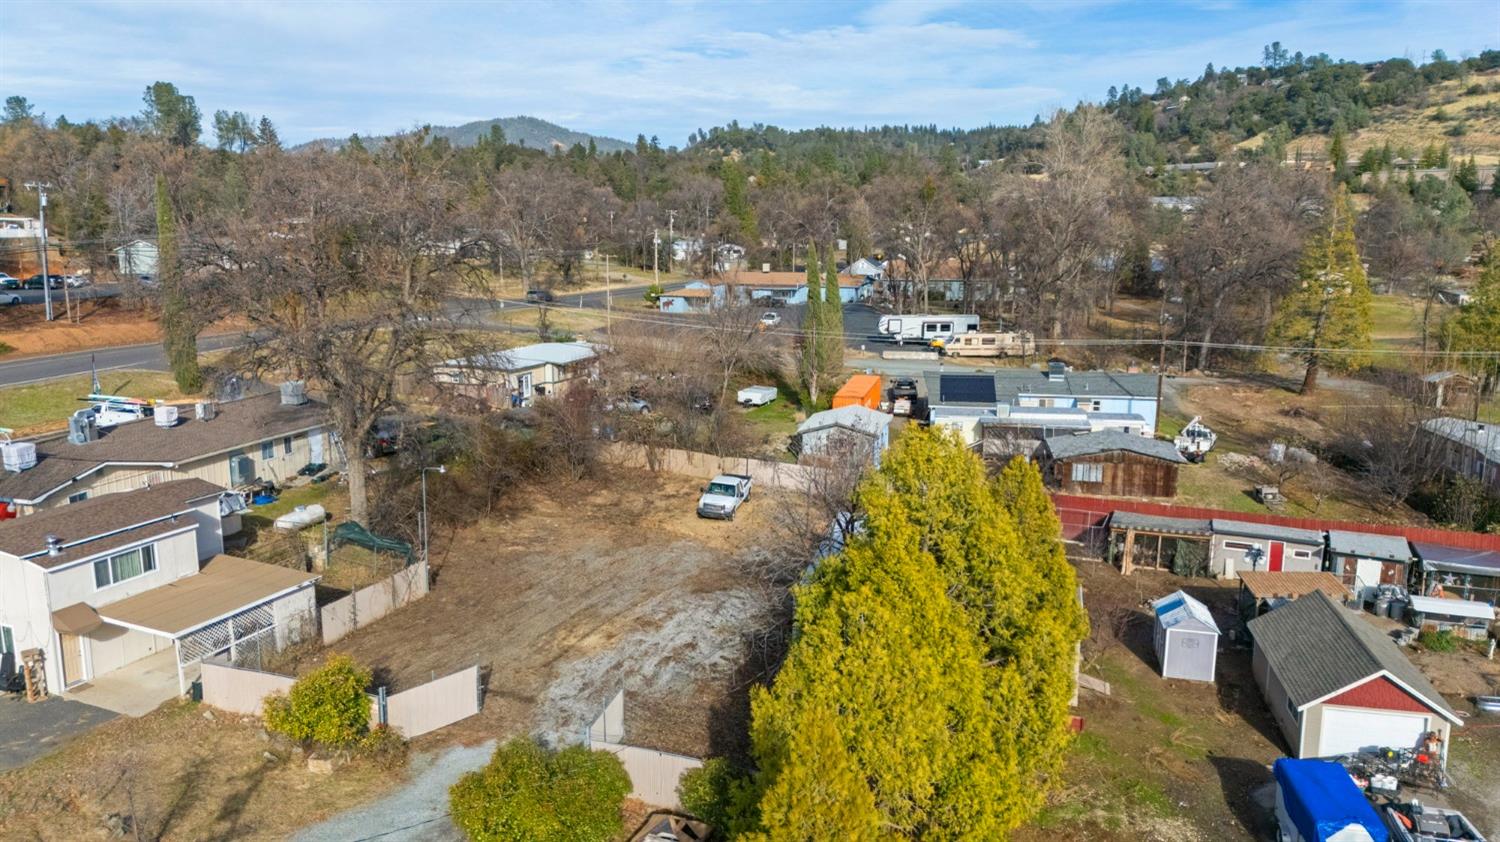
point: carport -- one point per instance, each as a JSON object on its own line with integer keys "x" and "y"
{"x": 233, "y": 606}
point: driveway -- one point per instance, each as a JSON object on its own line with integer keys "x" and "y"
{"x": 31, "y": 730}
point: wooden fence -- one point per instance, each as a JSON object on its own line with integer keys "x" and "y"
{"x": 705, "y": 465}
{"x": 369, "y": 604}
{"x": 411, "y": 713}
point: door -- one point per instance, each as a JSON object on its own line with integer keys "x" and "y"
{"x": 1367, "y": 573}
{"x": 1278, "y": 549}
{"x": 523, "y": 383}
{"x": 315, "y": 447}
{"x": 1348, "y": 730}
{"x": 72, "y": 659}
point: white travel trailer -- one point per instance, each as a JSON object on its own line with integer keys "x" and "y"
{"x": 925, "y": 328}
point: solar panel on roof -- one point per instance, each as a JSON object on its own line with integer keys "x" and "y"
{"x": 966, "y": 388}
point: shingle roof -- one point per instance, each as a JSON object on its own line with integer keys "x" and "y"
{"x": 1369, "y": 545}
{"x": 237, "y": 424}
{"x": 1267, "y": 530}
{"x": 1159, "y": 523}
{"x": 1318, "y": 648}
{"x": 102, "y": 523}
{"x": 1106, "y": 441}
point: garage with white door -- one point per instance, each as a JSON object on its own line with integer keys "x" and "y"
{"x": 1338, "y": 685}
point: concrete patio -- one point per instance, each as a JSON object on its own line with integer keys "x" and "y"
{"x": 135, "y": 689}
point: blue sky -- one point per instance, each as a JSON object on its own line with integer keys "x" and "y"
{"x": 666, "y": 68}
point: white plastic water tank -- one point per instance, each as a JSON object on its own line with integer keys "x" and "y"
{"x": 166, "y": 416}
{"x": 302, "y": 517}
{"x": 18, "y": 455}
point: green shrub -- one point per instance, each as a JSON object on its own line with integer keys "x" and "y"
{"x": 328, "y": 706}
{"x": 384, "y": 746}
{"x": 1437, "y": 641}
{"x": 719, "y": 794}
{"x": 533, "y": 793}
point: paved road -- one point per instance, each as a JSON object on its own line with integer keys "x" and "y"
{"x": 36, "y": 296}
{"x": 53, "y": 366}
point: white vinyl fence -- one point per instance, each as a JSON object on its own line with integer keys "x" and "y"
{"x": 412, "y": 712}
{"x": 654, "y": 775}
{"x": 369, "y": 604}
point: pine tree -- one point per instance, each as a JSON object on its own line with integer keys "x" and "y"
{"x": 1338, "y": 154}
{"x": 832, "y": 329}
{"x": 1330, "y": 308}
{"x": 1466, "y": 175}
{"x": 811, "y": 361}
{"x": 1476, "y": 326}
{"x": 179, "y": 334}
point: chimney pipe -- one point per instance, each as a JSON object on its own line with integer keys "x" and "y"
{"x": 54, "y": 545}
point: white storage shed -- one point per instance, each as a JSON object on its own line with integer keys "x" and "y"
{"x": 1186, "y": 637}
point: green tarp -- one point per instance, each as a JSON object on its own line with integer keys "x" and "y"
{"x": 350, "y": 532}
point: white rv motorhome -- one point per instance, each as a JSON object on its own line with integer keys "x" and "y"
{"x": 925, "y": 328}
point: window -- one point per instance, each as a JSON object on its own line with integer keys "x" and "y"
{"x": 1088, "y": 473}
{"x": 127, "y": 565}
{"x": 79, "y": 497}
{"x": 1291, "y": 708}
{"x": 1301, "y": 553}
{"x": 267, "y": 450}
{"x": 286, "y": 445}
{"x": 1240, "y": 545}
{"x": 1095, "y": 406}
{"x": 7, "y": 641}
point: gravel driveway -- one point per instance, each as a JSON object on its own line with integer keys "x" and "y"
{"x": 417, "y": 812}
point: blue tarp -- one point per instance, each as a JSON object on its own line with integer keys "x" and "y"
{"x": 1322, "y": 800}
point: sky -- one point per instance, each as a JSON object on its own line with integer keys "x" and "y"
{"x": 665, "y": 68}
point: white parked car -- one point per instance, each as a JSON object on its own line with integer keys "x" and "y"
{"x": 9, "y": 298}
{"x": 723, "y": 495}
{"x": 770, "y": 320}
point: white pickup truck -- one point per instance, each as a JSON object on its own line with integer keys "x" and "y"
{"x": 723, "y": 495}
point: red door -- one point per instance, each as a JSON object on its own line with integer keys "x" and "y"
{"x": 1277, "y": 549}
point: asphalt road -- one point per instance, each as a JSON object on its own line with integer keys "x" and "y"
{"x": 36, "y": 296}
{"x": 50, "y": 367}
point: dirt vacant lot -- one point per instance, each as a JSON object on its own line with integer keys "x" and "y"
{"x": 576, "y": 591}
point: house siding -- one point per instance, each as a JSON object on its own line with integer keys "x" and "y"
{"x": 1124, "y": 474}
{"x": 1226, "y": 562}
{"x": 1276, "y": 700}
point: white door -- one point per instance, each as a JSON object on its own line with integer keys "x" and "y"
{"x": 315, "y": 447}
{"x": 1347, "y": 730}
{"x": 1366, "y": 576}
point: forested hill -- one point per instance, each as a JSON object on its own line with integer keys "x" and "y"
{"x": 531, "y": 132}
{"x": 1290, "y": 96}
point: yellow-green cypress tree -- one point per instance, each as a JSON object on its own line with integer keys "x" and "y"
{"x": 820, "y": 794}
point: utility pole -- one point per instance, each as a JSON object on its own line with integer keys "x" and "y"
{"x": 671, "y": 236}
{"x": 1161, "y": 372}
{"x": 41, "y": 189}
{"x": 608, "y": 301}
{"x": 656, "y": 256}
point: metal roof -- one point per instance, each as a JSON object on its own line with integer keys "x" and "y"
{"x": 1178, "y": 610}
{"x": 1009, "y": 386}
{"x": 529, "y": 356}
{"x": 1269, "y": 531}
{"x": 854, "y": 417}
{"x": 1483, "y": 437}
{"x": 1159, "y": 523}
{"x": 1106, "y": 441}
{"x": 1456, "y": 560}
{"x": 1452, "y": 607}
{"x": 1318, "y": 648}
{"x": 1369, "y": 545}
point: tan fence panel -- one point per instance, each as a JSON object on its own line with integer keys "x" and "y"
{"x": 437, "y": 703}
{"x": 369, "y": 604}
{"x": 706, "y": 465}
{"x": 653, "y": 774}
{"x": 239, "y": 690}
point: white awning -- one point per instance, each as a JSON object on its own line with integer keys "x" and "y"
{"x": 1452, "y": 608}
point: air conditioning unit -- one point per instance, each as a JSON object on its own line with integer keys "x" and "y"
{"x": 205, "y": 410}
{"x": 166, "y": 416}
{"x": 17, "y": 456}
{"x": 293, "y": 393}
{"x": 83, "y": 427}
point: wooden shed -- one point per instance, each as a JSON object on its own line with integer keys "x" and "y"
{"x": 1111, "y": 463}
{"x": 1154, "y": 542}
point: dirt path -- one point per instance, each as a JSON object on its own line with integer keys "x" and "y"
{"x": 581, "y": 591}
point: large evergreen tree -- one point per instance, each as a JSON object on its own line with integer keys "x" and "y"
{"x": 1475, "y": 328}
{"x": 178, "y": 327}
{"x": 1327, "y": 317}
{"x": 811, "y": 363}
{"x": 832, "y": 328}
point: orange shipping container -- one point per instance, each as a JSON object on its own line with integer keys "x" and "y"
{"x": 862, "y": 389}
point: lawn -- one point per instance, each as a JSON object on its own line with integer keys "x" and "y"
{"x": 562, "y": 318}
{"x": 39, "y": 407}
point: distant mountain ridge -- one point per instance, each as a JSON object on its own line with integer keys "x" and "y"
{"x": 526, "y": 131}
